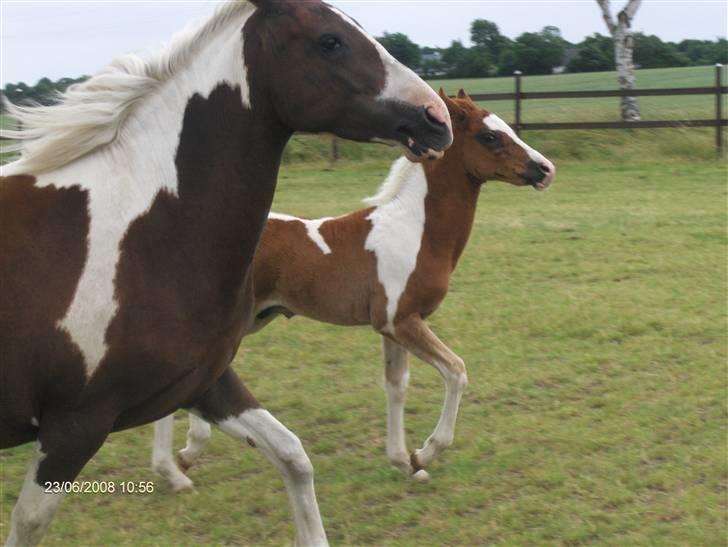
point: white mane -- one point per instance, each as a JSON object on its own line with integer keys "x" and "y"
{"x": 401, "y": 170}
{"x": 92, "y": 113}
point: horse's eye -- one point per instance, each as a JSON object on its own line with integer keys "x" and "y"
{"x": 489, "y": 137}
{"x": 330, "y": 42}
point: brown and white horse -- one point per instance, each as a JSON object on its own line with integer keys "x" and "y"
{"x": 129, "y": 223}
{"x": 387, "y": 266}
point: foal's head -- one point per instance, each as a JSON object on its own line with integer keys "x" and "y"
{"x": 323, "y": 73}
{"x": 491, "y": 150}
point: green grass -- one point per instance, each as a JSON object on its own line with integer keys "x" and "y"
{"x": 592, "y": 321}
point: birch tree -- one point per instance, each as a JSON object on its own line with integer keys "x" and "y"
{"x": 621, "y": 32}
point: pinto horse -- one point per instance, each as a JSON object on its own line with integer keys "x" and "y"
{"x": 387, "y": 266}
{"x": 129, "y": 223}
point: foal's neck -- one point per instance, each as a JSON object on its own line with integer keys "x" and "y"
{"x": 452, "y": 198}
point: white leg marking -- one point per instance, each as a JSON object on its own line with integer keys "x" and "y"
{"x": 397, "y": 228}
{"x": 198, "y": 435}
{"x": 34, "y": 509}
{"x": 284, "y": 450}
{"x": 396, "y": 376}
{"x": 444, "y": 432}
{"x": 162, "y": 461}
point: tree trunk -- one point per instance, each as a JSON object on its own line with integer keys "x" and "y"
{"x": 623, "y": 52}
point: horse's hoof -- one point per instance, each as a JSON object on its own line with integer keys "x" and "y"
{"x": 421, "y": 475}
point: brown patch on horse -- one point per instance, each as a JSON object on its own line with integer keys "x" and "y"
{"x": 42, "y": 253}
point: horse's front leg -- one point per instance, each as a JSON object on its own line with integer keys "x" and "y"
{"x": 230, "y": 406}
{"x": 414, "y": 335}
{"x": 396, "y": 378}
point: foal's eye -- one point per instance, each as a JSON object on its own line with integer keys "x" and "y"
{"x": 330, "y": 42}
{"x": 489, "y": 139}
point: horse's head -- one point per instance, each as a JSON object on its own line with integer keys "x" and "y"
{"x": 321, "y": 72}
{"x": 490, "y": 148}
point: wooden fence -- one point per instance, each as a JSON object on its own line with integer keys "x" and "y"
{"x": 718, "y": 122}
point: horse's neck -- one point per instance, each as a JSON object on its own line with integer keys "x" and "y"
{"x": 452, "y": 198}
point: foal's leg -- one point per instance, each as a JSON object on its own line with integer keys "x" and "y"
{"x": 396, "y": 378}
{"x": 65, "y": 444}
{"x": 231, "y": 407}
{"x": 198, "y": 436}
{"x": 415, "y": 336}
{"x": 162, "y": 461}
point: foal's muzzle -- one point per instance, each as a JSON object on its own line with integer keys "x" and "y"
{"x": 539, "y": 174}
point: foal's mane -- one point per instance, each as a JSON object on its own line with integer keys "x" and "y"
{"x": 401, "y": 170}
{"x": 91, "y": 114}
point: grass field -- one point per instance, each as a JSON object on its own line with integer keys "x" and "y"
{"x": 592, "y": 320}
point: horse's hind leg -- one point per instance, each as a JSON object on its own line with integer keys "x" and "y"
{"x": 64, "y": 446}
{"x": 162, "y": 461}
{"x": 231, "y": 407}
{"x": 198, "y": 436}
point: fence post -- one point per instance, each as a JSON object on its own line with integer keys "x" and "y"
{"x": 718, "y": 110}
{"x": 517, "y": 123}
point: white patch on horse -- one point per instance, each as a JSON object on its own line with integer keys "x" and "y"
{"x": 494, "y": 123}
{"x": 397, "y": 228}
{"x": 34, "y": 421}
{"x": 312, "y": 228}
{"x": 139, "y": 164}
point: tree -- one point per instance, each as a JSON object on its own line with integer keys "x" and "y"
{"x": 485, "y": 35}
{"x": 595, "y": 53}
{"x": 537, "y": 52}
{"x": 402, "y": 48}
{"x": 623, "y": 51}
{"x": 651, "y": 52}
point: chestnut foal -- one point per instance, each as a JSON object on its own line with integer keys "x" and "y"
{"x": 387, "y": 266}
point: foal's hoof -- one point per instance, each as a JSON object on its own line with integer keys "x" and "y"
{"x": 184, "y": 486}
{"x": 183, "y": 464}
{"x": 421, "y": 475}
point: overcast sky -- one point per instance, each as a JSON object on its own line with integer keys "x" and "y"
{"x": 69, "y": 38}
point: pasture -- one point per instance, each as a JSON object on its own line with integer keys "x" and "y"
{"x": 592, "y": 321}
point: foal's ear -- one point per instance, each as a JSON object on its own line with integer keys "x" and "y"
{"x": 457, "y": 114}
{"x": 465, "y": 96}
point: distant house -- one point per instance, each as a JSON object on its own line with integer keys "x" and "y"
{"x": 430, "y": 64}
{"x": 569, "y": 54}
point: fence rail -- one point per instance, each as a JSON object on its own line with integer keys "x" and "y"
{"x": 718, "y": 122}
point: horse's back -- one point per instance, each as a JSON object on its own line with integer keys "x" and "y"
{"x": 42, "y": 252}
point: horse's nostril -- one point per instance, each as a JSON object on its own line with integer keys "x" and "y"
{"x": 431, "y": 117}
{"x": 545, "y": 169}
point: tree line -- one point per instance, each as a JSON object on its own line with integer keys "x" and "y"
{"x": 493, "y": 54}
